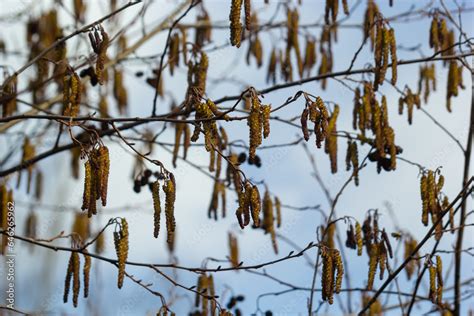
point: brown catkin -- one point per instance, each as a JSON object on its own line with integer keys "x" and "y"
{"x": 304, "y": 123}
{"x": 235, "y": 24}
{"x": 104, "y": 167}
{"x": 432, "y": 274}
{"x": 76, "y": 281}
{"x": 359, "y": 240}
{"x": 86, "y": 274}
{"x": 233, "y": 250}
{"x": 67, "y": 280}
{"x": 155, "y": 191}
{"x": 247, "y": 11}
{"x": 327, "y": 279}
{"x": 87, "y": 186}
{"x": 373, "y": 262}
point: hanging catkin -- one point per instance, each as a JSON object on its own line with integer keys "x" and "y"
{"x": 235, "y": 24}
{"x": 72, "y": 90}
{"x": 155, "y": 191}
{"x": 86, "y": 273}
{"x": 233, "y": 250}
{"x": 121, "y": 248}
{"x": 331, "y": 139}
{"x": 170, "y": 196}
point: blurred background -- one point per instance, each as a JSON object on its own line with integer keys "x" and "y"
{"x": 287, "y": 171}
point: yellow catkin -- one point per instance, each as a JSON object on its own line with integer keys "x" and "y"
{"x": 179, "y": 129}
{"x": 170, "y": 196}
{"x": 359, "y": 240}
{"x": 235, "y": 24}
{"x": 327, "y": 278}
{"x": 393, "y": 55}
{"x": 255, "y": 205}
{"x": 278, "y": 211}
{"x": 102, "y": 55}
{"x": 247, "y": 11}
{"x": 104, "y": 167}
{"x": 155, "y": 191}
{"x": 266, "y": 110}
{"x": 432, "y": 273}
{"x": 233, "y": 250}
{"x": 76, "y": 281}
{"x": 272, "y": 65}
{"x": 121, "y": 248}
{"x": 339, "y": 267}
{"x": 453, "y": 83}
{"x": 87, "y": 186}
{"x": 382, "y": 259}
{"x": 331, "y": 140}
{"x": 424, "y": 199}
{"x": 255, "y": 124}
{"x": 373, "y": 262}
{"x": 268, "y": 219}
{"x": 439, "y": 280}
{"x": 86, "y": 274}
{"x": 434, "y": 35}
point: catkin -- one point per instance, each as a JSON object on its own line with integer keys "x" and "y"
{"x": 266, "y": 110}
{"x": 155, "y": 191}
{"x": 86, "y": 274}
{"x": 268, "y": 219}
{"x": 233, "y": 250}
{"x": 359, "y": 240}
{"x": 278, "y": 211}
{"x": 76, "y": 281}
{"x": 339, "y": 270}
{"x": 331, "y": 139}
{"x": 121, "y": 248}
{"x": 432, "y": 274}
{"x": 235, "y": 24}
{"x": 393, "y": 55}
{"x": 170, "y": 196}
{"x": 255, "y": 205}
{"x": 255, "y": 124}
{"x": 374, "y": 257}
{"x": 439, "y": 280}
{"x": 327, "y": 279}
{"x": 72, "y": 90}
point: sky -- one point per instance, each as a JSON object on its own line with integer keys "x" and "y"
{"x": 287, "y": 171}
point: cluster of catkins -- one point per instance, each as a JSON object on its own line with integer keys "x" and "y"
{"x": 385, "y": 45}
{"x": 72, "y": 90}
{"x": 99, "y": 40}
{"x": 378, "y": 248}
{"x": 258, "y": 122}
{"x": 96, "y": 179}
{"x": 73, "y": 274}
{"x": 333, "y": 271}
{"x": 236, "y": 28}
{"x": 250, "y": 206}
{"x": 436, "y": 281}
{"x": 332, "y": 9}
{"x": 121, "y": 248}
{"x": 433, "y": 204}
{"x": 28, "y": 153}
{"x": 169, "y": 188}
{"x": 368, "y": 114}
{"x": 205, "y": 294}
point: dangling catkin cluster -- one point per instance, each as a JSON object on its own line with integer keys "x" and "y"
{"x": 431, "y": 184}
{"x": 121, "y": 248}
{"x": 427, "y": 81}
{"x": 71, "y": 94}
{"x": 73, "y": 271}
{"x": 410, "y": 246}
{"x": 385, "y": 45}
{"x": 410, "y": 100}
{"x": 332, "y": 9}
{"x": 318, "y": 114}
{"x": 292, "y": 24}
{"x": 333, "y": 271}
{"x": 96, "y": 179}
{"x": 235, "y": 24}
{"x": 218, "y": 193}
{"x": 258, "y": 122}
{"x": 28, "y": 153}
{"x": 352, "y": 160}
{"x": 249, "y": 205}
{"x": 371, "y": 14}
{"x": 454, "y": 82}
{"x": 173, "y": 52}
{"x": 99, "y": 41}
{"x": 233, "y": 250}
{"x": 205, "y": 291}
